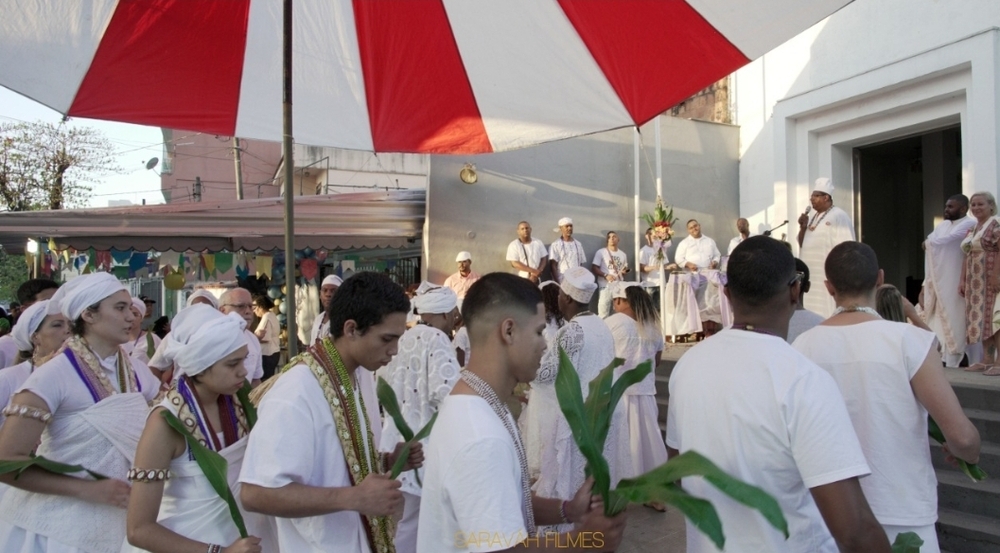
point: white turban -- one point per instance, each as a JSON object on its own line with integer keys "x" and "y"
{"x": 579, "y": 284}
{"x": 823, "y": 185}
{"x": 432, "y": 298}
{"x": 547, "y": 283}
{"x": 565, "y": 221}
{"x": 332, "y": 280}
{"x": 140, "y": 306}
{"x": 203, "y": 294}
{"x": 200, "y": 336}
{"x": 28, "y": 323}
{"x": 72, "y": 298}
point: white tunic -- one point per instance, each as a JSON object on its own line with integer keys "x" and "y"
{"x": 11, "y": 379}
{"x": 529, "y": 254}
{"x": 701, "y": 251}
{"x": 138, "y": 348}
{"x": 253, "y": 361}
{"x": 833, "y": 229}
{"x": 310, "y": 455}
{"x": 647, "y": 257}
{"x": 944, "y": 309}
{"x": 635, "y": 348}
{"x": 320, "y": 329}
{"x": 8, "y": 351}
{"x": 422, "y": 373}
{"x": 567, "y": 255}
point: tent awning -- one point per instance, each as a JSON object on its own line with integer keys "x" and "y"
{"x": 337, "y": 221}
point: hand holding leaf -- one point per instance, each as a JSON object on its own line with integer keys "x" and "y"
{"x": 387, "y": 397}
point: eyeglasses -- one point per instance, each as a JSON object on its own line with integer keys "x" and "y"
{"x": 799, "y": 275}
{"x": 239, "y": 306}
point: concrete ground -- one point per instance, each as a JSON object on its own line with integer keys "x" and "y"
{"x": 651, "y": 532}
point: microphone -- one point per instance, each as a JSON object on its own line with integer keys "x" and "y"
{"x": 768, "y": 232}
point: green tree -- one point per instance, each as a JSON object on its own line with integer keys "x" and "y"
{"x": 51, "y": 166}
{"x": 13, "y": 271}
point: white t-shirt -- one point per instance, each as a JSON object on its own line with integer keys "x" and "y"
{"x": 801, "y": 321}
{"x": 253, "y": 362}
{"x": 603, "y": 261}
{"x": 873, "y": 363}
{"x": 320, "y": 328}
{"x": 529, "y": 254}
{"x": 735, "y": 242}
{"x": 700, "y": 251}
{"x": 567, "y": 255}
{"x": 767, "y": 415}
{"x": 461, "y": 341}
{"x": 472, "y": 484}
{"x": 270, "y": 343}
{"x": 647, "y": 256}
{"x": 295, "y": 441}
{"x": 11, "y": 379}
{"x": 138, "y": 349}
{"x": 635, "y": 348}
{"x": 8, "y": 351}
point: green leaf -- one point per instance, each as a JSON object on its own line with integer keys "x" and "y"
{"x": 214, "y": 466}
{"x": 397, "y": 467}
{"x": 907, "y": 542}
{"x": 243, "y": 396}
{"x": 18, "y": 467}
{"x": 387, "y": 397}
{"x": 570, "y": 398}
{"x": 699, "y": 511}
{"x": 971, "y": 470}
{"x": 628, "y": 378}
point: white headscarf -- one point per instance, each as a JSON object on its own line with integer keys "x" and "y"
{"x": 618, "y": 287}
{"x": 72, "y": 298}
{"x": 203, "y": 294}
{"x": 200, "y": 336}
{"x": 140, "y": 306}
{"x": 28, "y": 323}
{"x": 579, "y": 284}
{"x": 331, "y": 280}
{"x": 432, "y": 298}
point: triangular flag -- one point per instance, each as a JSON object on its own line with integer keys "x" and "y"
{"x": 121, "y": 257}
{"x": 170, "y": 259}
{"x": 223, "y": 262}
{"x": 208, "y": 261}
{"x": 137, "y": 261}
{"x": 263, "y": 266}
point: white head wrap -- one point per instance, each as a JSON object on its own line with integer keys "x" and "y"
{"x": 547, "y": 283}
{"x": 72, "y": 298}
{"x": 463, "y": 256}
{"x": 203, "y": 294}
{"x": 432, "y": 298}
{"x": 579, "y": 284}
{"x": 565, "y": 221}
{"x": 618, "y": 287}
{"x": 823, "y": 185}
{"x": 200, "y": 336}
{"x": 28, "y": 323}
{"x": 332, "y": 280}
{"x": 140, "y": 305}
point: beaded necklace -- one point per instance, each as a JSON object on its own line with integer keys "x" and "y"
{"x": 332, "y": 359}
{"x": 486, "y": 392}
{"x": 814, "y": 223}
{"x": 227, "y": 415}
{"x": 856, "y": 309}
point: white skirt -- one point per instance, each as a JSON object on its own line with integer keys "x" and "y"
{"x": 646, "y": 445}
{"x": 18, "y": 540}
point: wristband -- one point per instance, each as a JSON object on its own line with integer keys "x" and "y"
{"x": 562, "y": 512}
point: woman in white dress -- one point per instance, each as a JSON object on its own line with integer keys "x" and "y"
{"x": 173, "y": 506}
{"x": 37, "y": 335}
{"x": 85, "y": 406}
{"x": 142, "y": 344}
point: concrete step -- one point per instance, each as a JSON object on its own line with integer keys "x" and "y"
{"x": 989, "y": 458}
{"x": 962, "y": 532}
{"x": 957, "y": 492}
{"x": 987, "y": 422}
{"x": 662, "y": 386}
{"x": 661, "y": 405}
{"x": 974, "y": 390}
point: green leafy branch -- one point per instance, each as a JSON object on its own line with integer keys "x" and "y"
{"x": 387, "y": 397}
{"x": 18, "y": 467}
{"x": 971, "y": 470}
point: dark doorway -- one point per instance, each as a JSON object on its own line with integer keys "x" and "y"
{"x": 902, "y": 187}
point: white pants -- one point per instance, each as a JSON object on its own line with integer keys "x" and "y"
{"x": 926, "y": 533}
{"x": 604, "y": 302}
{"x": 406, "y": 530}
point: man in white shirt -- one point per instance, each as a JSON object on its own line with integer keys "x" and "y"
{"x": 765, "y": 414}
{"x": 460, "y": 281}
{"x": 566, "y": 252}
{"x": 321, "y": 326}
{"x": 30, "y": 291}
{"x": 311, "y": 460}
{"x": 743, "y": 228}
{"x": 649, "y": 265}
{"x": 610, "y": 264}
{"x": 827, "y": 227}
{"x": 476, "y": 494}
{"x": 944, "y": 308}
{"x": 891, "y": 377}
{"x": 697, "y": 251}
{"x": 527, "y": 254}
{"x": 238, "y": 300}
{"x": 421, "y": 374}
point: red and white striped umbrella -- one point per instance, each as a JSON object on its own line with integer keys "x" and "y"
{"x": 444, "y": 76}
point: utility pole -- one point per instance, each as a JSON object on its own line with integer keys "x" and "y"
{"x": 239, "y": 168}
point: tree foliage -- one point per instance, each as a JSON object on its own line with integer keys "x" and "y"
{"x": 51, "y": 166}
{"x": 13, "y": 271}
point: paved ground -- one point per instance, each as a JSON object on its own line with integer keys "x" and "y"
{"x": 651, "y": 532}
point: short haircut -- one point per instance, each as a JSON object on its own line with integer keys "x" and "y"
{"x": 801, "y": 267}
{"x": 366, "y": 298}
{"x": 889, "y": 303}
{"x": 852, "y": 268}
{"x": 759, "y": 269}
{"x": 962, "y": 199}
{"x": 263, "y": 301}
{"x": 28, "y": 291}
{"x": 691, "y": 221}
{"x": 498, "y": 291}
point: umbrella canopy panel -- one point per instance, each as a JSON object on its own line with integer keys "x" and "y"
{"x": 339, "y": 221}
{"x": 427, "y": 76}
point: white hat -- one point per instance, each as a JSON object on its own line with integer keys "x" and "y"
{"x": 432, "y": 298}
{"x": 203, "y": 294}
{"x": 542, "y": 285}
{"x": 463, "y": 256}
{"x": 332, "y": 280}
{"x": 579, "y": 284}
{"x": 28, "y": 323}
{"x": 618, "y": 287}
{"x": 201, "y": 336}
{"x": 823, "y": 185}
{"x": 72, "y": 298}
{"x": 565, "y": 221}
{"x": 140, "y": 306}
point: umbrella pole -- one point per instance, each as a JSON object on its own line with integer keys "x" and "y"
{"x": 288, "y": 154}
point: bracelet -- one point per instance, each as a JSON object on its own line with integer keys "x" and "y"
{"x": 15, "y": 410}
{"x": 214, "y": 548}
{"x": 148, "y": 475}
{"x": 562, "y": 512}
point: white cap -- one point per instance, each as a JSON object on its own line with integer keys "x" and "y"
{"x": 331, "y": 280}
{"x": 823, "y": 185}
{"x": 579, "y": 284}
{"x": 463, "y": 256}
{"x": 565, "y": 221}
{"x": 201, "y": 293}
{"x": 618, "y": 287}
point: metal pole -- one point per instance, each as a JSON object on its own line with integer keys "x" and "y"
{"x": 659, "y": 194}
{"x": 638, "y": 237}
{"x": 238, "y": 160}
{"x": 288, "y": 154}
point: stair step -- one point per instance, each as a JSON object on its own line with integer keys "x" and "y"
{"x": 964, "y": 532}
{"x": 974, "y": 391}
{"x": 989, "y": 458}
{"x": 661, "y": 406}
{"x": 987, "y": 422}
{"x": 662, "y": 386}
{"x": 956, "y": 491}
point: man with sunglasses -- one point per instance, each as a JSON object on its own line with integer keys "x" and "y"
{"x": 238, "y": 300}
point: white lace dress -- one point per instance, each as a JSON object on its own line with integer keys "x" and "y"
{"x": 590, "y": 346}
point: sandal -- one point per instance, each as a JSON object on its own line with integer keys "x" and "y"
{"x": 656, "y": 506}
{"x": 977, "y": 367}
{"x": 992, "y": 371}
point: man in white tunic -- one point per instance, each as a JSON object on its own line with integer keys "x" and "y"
{"x": 610, "y": 265}
{"x": 651, "y": 259}
{"x": 765, "y": 414}
{"x": 818, "y": 234}
{"x": 321, "y": 326}
{"x": 476, "y": 494}
{"x": 36, "y": 289}
{"x": 421, "y": 374}
{"x": 311, "y": 460}
{"x": 527, "y": 254}
{"x": 943, "y": 307}
{"x": 891, "y": 377}
{"x": 566, "y": 252}
{"x": 697, "y": 251}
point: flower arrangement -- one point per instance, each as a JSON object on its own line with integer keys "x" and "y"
{"x": 661, "y": 220}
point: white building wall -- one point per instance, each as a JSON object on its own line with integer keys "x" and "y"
{"x": 874, "y": 71}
